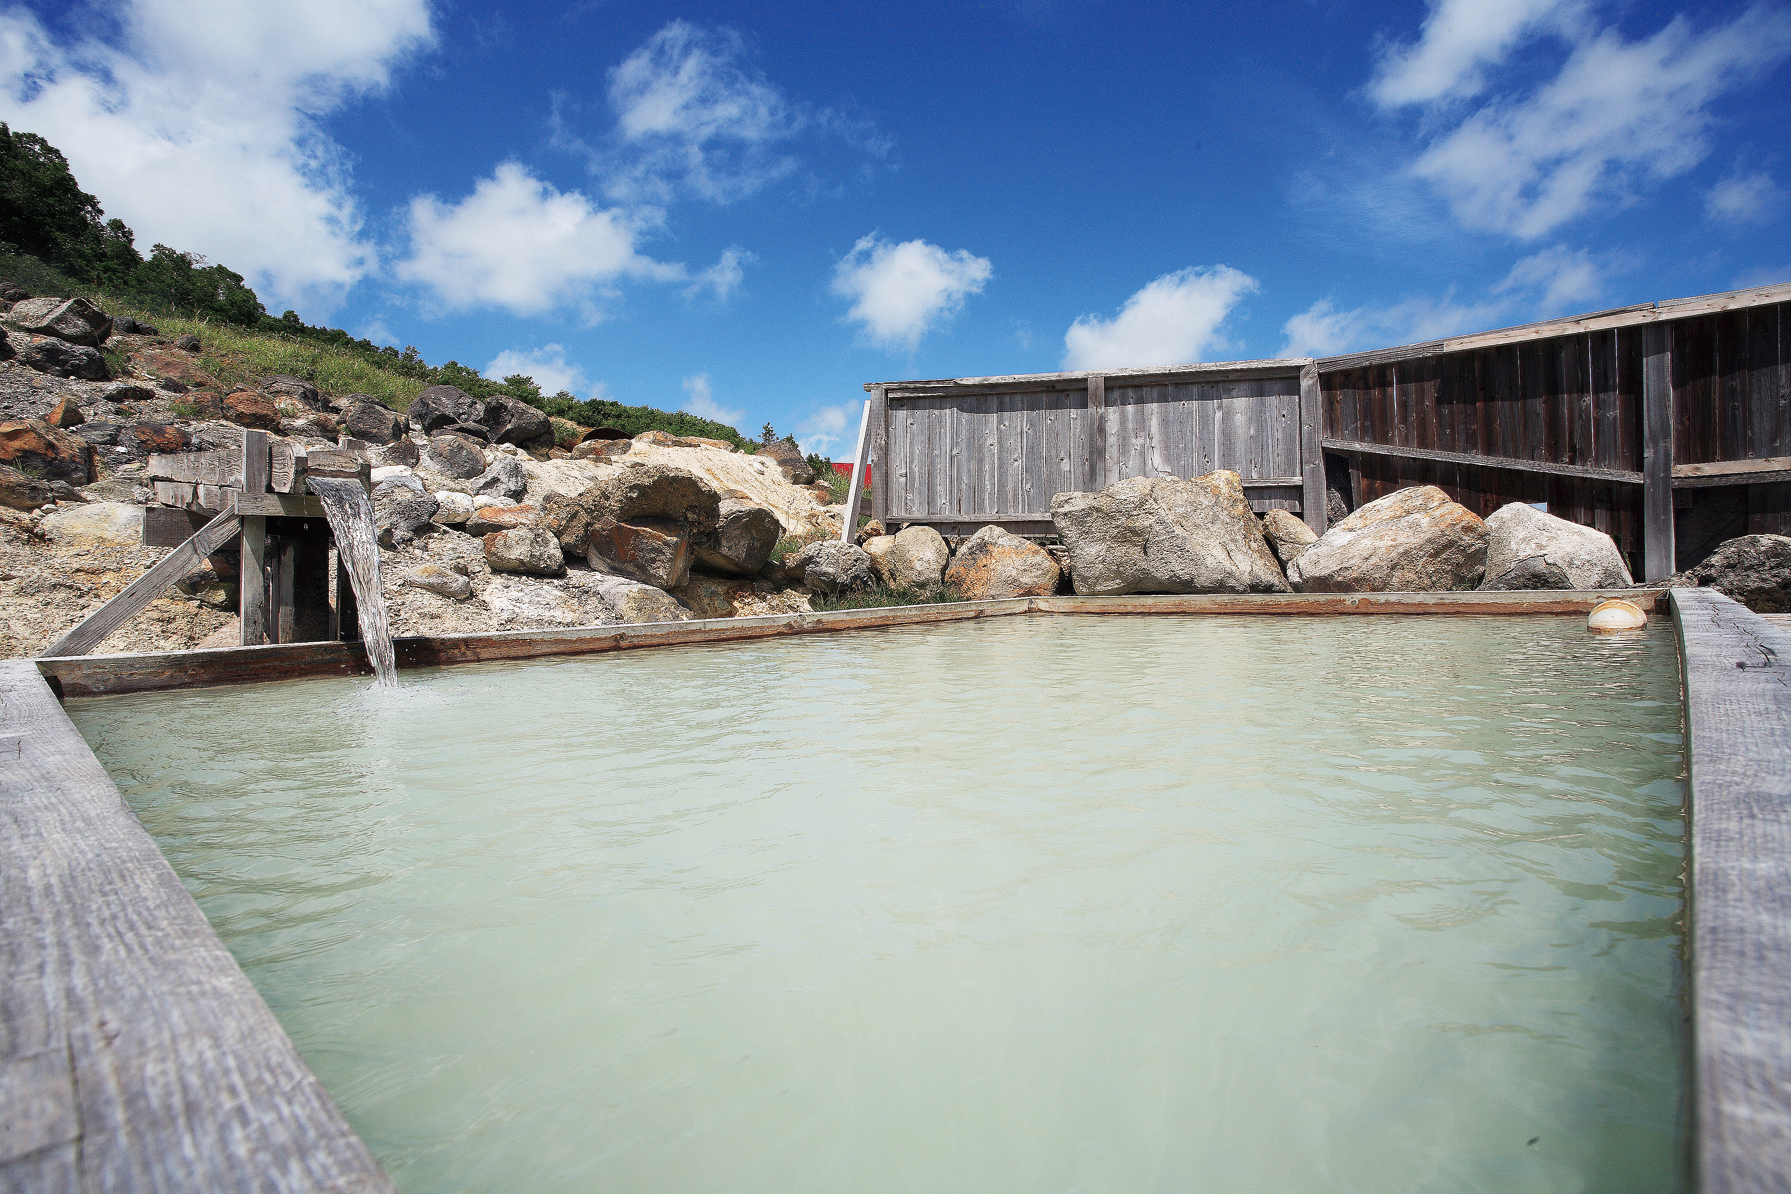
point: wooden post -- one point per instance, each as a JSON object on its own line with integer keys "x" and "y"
{"x": 1312, "y": 453}
{"x": 849, "y": 531}
{"x": 1097, "y": 418}
{"x": 282, "y": 563}
{"x": 877, "y": 459}
{"x": 251, "y": 578}
{"x": 1657, "y": 452}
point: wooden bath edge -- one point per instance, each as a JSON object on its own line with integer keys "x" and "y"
{"x": 97, "y": 675}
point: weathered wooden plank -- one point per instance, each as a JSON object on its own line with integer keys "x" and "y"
{"x": 180, "y": 495}
{"x": 252, "y": 581}
{"x": 1657, "y": 454}
{"x": 286, "y": 468}
{"x": 1102, "y": 471}
{"x": 1311, "y": 453}
{"x": 216, "y": 497}
{"x": 1530, "y": 466}
{"x": 1011, "y": 457}
{"x": 879, "y": 454}
{"x": 1218, "y": 370}
{"x": 255, "y": 461}
{"x": 289, "y": 505}
{"x": 1724, "y": 468}
{"x": 1766, "y": 434}
{"x": 1732, "y": 383}
{"x": 1766, "y": 477}
{"x": 849, "y": 526}
{"x": 93, "y": 629}
{"x": 282, "y": 612}
{"x": 1736, "y": 671}
{"x": 164, "y": 526}
{"x": 222, "y": 467}
{"x": 181, "y": 1078}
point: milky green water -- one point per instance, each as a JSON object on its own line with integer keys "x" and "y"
{"x": 1047, "y": 904}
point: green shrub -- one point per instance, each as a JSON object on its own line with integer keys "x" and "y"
{"x": 880, "y": 595}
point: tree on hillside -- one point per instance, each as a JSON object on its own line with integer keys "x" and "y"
{"x": 43, "y": 211}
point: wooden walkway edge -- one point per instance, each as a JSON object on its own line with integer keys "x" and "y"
{"x": 1736, "y": 669}
{"x": 134, "y": 1052}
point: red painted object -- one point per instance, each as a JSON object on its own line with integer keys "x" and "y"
{"x": 847, "y": 469}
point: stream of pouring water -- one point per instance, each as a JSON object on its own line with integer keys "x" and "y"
{"x": 350, "y": 513}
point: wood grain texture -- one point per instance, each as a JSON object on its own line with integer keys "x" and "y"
{"x": 93, "y": 629}
{"x": 1737, "y": 676}
{"x": 275, "y": 505}
{"x": 1657, "y": 454}
{"x": 222, "y": 467}
{"x": 1503, "y": 462}
{"x": 1311, "y": 454}
{"x": 167, "y": 527}
{"x": 878, "y": 457}
{"x": 180, "y": 1076}
{"x": 849, "y": 525}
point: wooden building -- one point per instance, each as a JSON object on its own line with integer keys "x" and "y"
{"x": 1667, "y": 425}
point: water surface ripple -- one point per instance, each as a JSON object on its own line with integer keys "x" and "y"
{"x": 1048, "y": 904}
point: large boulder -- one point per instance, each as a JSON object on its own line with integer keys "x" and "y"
{"x": 249, "y": 409}
{"x": 402, "y": 450}
{"x": 1413, "y": 540}
{"x": 913, "y": 559}
{"x": 47, "y": 453}
{"x": 528, "y": 550}
{"x": 744, "y": 535}
{"x": 97, "y": 524}
{"x": 64, "y": 360}
{"x": 365, "y": 418}
{"x": 19, "y": 491}
{"x": 1286, "y": 535}
{"x": 454, "y": 457}
{"x": 629, "y": 601}
{"x": 1166, "y": 535}
{"x": 443, "y": 406}
{"x": 653, "y": 492}
{"x": 403, "y": 521}
{"x": 453, "y": 508}
{"x": 831, "y": 567}
{"x": 654, "y": 551}
{"x": 295, "y": 389}
{"x": 993, "y": 565}
{"x": 487, "y": 519}
{"x": 75, "y": 320}
{"x": 504, "y": 479}
{"x": 512, "y": 422}
{"x": 791, "y": 461}
{"x": 1527, "y": 549}
{"x": 1753, "y": 569}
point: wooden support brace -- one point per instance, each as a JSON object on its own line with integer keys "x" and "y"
{"x": 849, "y": 526}
{"x": 146, "y": 588}
{"x": 877, "y": 458}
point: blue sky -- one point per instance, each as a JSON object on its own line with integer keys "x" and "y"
{"x": 751, "y": 210}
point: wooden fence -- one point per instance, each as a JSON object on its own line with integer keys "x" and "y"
{"x": 1666, "y": 425}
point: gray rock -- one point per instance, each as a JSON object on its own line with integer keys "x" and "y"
{"x": 402, "y": 450}
{"x": 505, "y": 478}
{"x": 284, "y": 385}
{"x": 443, "y": 406}
{"x": 401, "y": 522}
{"x": 444, "y": 582}
{"x": 101, "y": 524}
{"x": 20, "y": 491}
{"x": 1527, "y": 549}
{"x": 913, "y": 559}
{"x": 1411, "y": 541}
{"x": 532, "y": 551}
{"x": 744, "y": 535}
{"x": 1166, "y": 535}
{"x": 364, "y": 418}
{"x": 654, "y": 551}
{"x": 1286, "y": 535}
{"x": 831, "y": 567}
{"x": 99, "y": 434}
{"x": 453, "y": 507}
{"x": 1753, "y": 569}
{"x": 398, "y": 489}
{"x": 452, "y": 456}
{"x": 994, "y": 565}
{"x": 513, "y": 422}
{"x": 60, "y": 359}
{"x": 188, "y": 343}
{"x": 75, "y": 320}
{"x": 791, "y": 460}
{"x": 629, "y": 601}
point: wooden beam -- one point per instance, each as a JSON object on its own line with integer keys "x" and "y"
{"x": 255, "y": 461}
{"x": 135, "y": 1052}
{"x": 849, "y": 528}
{"x": 222, "y": 467}
{"x": 333, "y": 462}
{"x": 1657, "y": 454}
{"x": 282, "y": 611}
{"x": 1731, "y": 479}
{"x": 1213, "y": 371}
{"x": 1312, "y": 454}
{"x": 1736, "y": 469}
{"x": 1736, "y": 671}
{"x": 280, "y": 505}
{"x": 878, "y": 457}
{"x": 146, "y": 588}
{"x": 1618, "y": 317}
{"x": 286, "y": 467}
{"x": 1617, "y": 476}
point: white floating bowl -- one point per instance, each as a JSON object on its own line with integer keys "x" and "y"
{"x": 1608, "y": 617}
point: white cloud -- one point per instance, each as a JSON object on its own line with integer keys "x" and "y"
{"x": 1744, "y": 198}
{"x": 199, "y": 125}
{"x": 547, "y": 366}
{"x": 699, "y": 400}
{"x": 1461, "y": 38}
{"x": 722, "y": 278}
{"x": 1619, "y": 115}
{"x": 901, "y": 292}
{"x": 1172, "y": 321}
{"x": 829, "y": 428}
{"x": 517, "y": 242}
{"x": 1556, "y": 281}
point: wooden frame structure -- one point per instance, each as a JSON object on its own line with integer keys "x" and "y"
{"x": 1667, "y": 425}
{"x": 207, "y": 1092}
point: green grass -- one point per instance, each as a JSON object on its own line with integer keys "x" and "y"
{"x": 795, "y": 543}
{"x": 879, "y": 596}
